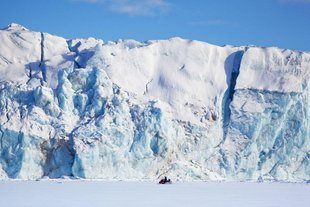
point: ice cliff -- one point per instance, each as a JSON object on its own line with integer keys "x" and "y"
{"x": 139, "y": 110}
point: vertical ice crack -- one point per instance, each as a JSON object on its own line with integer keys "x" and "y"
{"x": 42, "y": 63}
{"x": 229, "y": 93}
{"x": 71, "y": 144}
{"x": 30, "y": 73}
{"x": 75, "y": 51}
{"x": 7, "y": 111}
{"x": 147, "y": 87}
{"x": 2, "y": 135}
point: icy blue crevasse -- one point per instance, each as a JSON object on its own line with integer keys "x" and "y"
{"x": 236, "y": 59}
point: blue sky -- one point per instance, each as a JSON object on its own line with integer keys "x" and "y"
{"x": 282, "y": 23}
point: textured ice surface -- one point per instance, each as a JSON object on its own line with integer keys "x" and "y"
{"x": 139, "y": 110}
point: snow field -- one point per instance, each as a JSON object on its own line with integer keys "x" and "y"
{"x": 140, "y": 194}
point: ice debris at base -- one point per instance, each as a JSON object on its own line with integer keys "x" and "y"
{"x": 139, "y": 110}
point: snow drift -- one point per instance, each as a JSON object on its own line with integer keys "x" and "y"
{"x": 139, "y": 110}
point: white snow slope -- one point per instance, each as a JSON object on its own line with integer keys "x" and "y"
{"x": 138, "y": 110}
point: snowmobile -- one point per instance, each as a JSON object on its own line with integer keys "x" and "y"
{"x": 165, "y": 181}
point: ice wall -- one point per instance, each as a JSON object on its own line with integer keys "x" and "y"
{"x": 268, "y": 131}
{"x": 140, "y": 110}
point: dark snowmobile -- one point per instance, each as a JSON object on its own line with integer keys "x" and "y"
{"x": 165, "y": 181}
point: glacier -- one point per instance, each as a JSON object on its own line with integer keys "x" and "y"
{"x": 129, "y": 110}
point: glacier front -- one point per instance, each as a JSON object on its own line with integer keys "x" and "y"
{"x": 130, "y": 110}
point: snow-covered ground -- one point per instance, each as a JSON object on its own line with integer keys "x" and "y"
{"x": 147, "y": 194}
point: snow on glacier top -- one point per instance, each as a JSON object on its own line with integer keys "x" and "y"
{"x": 274, "y": 69}
{"x": 177, "y": 71}
{"x": 190, "y": 76}
{"x": 15, "y": 26}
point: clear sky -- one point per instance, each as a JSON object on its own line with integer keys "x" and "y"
{"x": 281, "y": 23}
